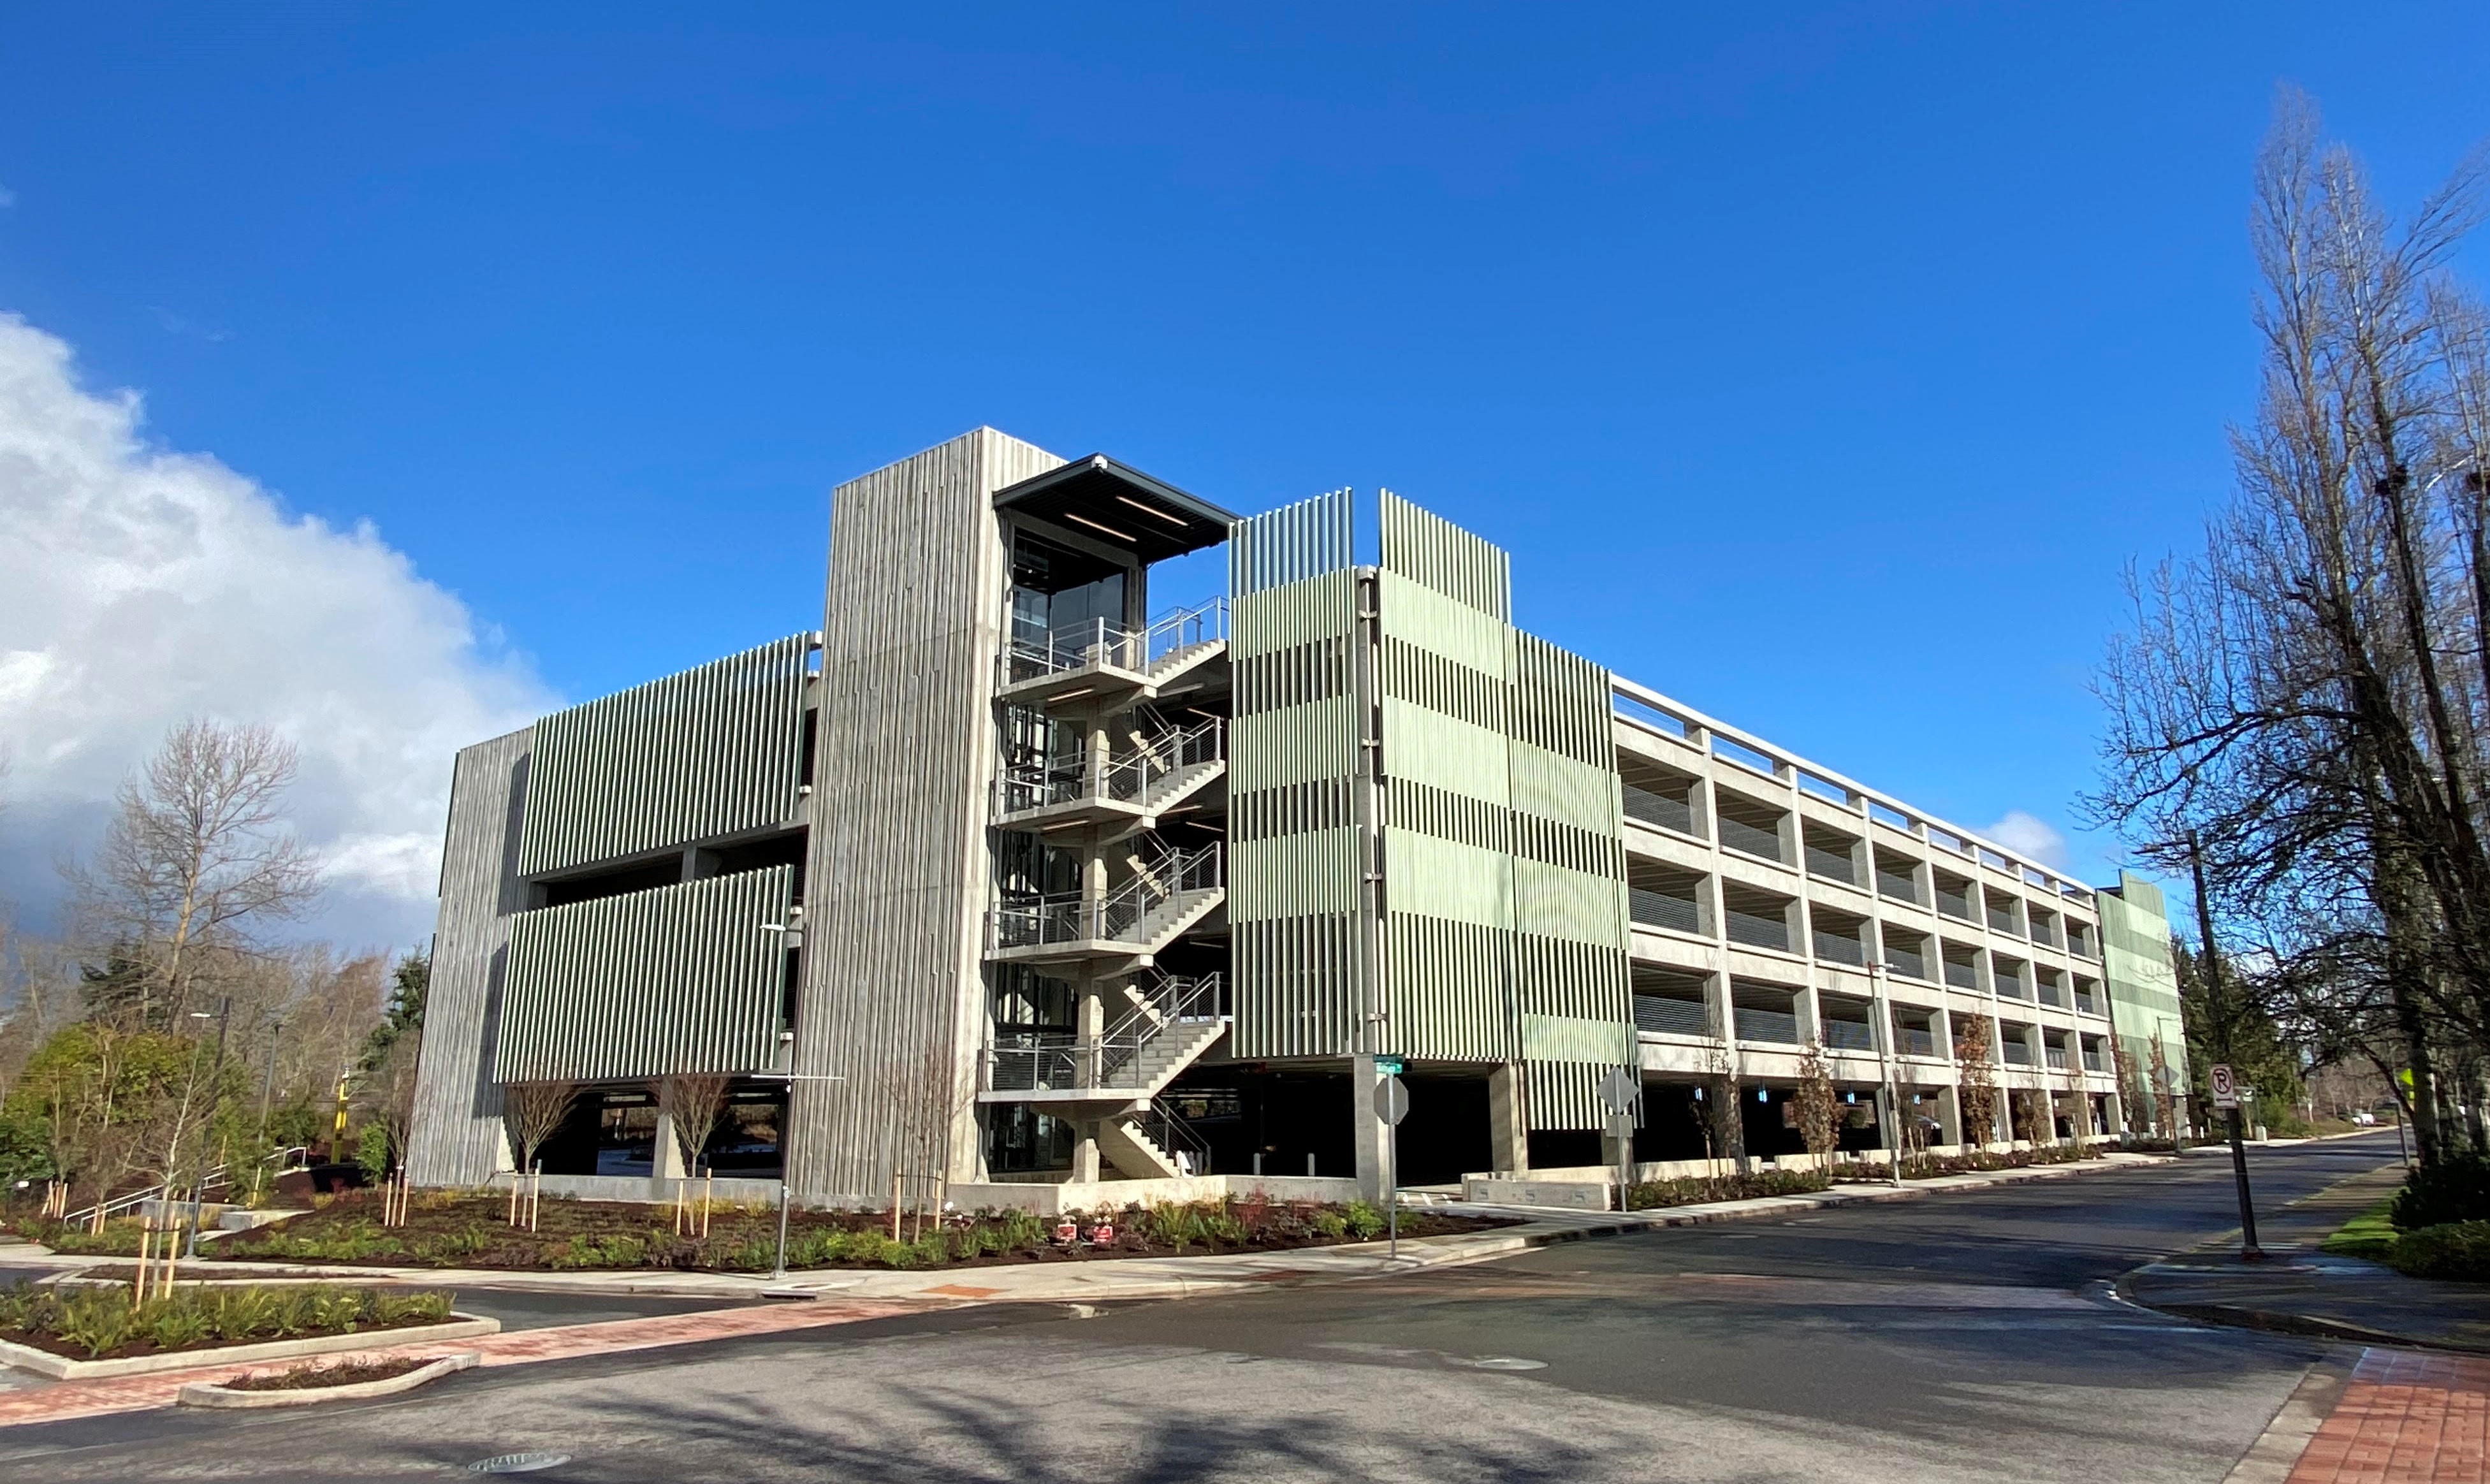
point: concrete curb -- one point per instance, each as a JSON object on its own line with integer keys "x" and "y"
{"x": 42, "y": 1363}
{"x": 1106, "y": 1280}
{"x": 2278, "y": 1322}
{"x": 208, "y": 1394}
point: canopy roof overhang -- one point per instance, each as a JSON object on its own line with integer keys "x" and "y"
{"x": 1120, "y": 505}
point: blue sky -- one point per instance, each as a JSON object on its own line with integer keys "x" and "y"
{"x": 1822, "y": 368}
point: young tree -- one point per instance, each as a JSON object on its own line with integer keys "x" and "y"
{"x": 1975, "y": 1079}
{"x": 534, "y": 1113}
{"x": 696, "y": 1104}
{"x": 1818, "y": 1108}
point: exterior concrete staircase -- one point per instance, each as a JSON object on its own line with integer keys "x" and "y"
{"x": 1169, "y": 1024}
{"x": 1142, "y": 1142}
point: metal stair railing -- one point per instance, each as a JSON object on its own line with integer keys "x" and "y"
{"x": 1174, "y": 1136}
{"x": 1034, "y": 651}
{"x": 1123, "y": 911}
{"x": 1172, "y": 1004}
{"x": 1116, "y": 1060}
{"x": 217, "y": 1178}
{"x": 1127, "y": 777}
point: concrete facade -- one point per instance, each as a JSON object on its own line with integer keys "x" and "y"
{"x": 997, "y": 881}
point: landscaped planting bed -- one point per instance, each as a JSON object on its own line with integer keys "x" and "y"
{"x": 457, "y": 1230}
{"x": 94, "y": 1322}
{"x": 1920, "y": 1167}
{"x": 353, "y": 1371}
{"x": 1697, "y": 1190}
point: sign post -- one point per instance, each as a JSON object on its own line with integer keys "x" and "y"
{"x": 1392, "y": 1105}
{"x": 1618, "y": 1091}
{"x": 2226, "y": 1097}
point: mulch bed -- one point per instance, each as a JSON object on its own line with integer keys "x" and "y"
{"x": 350, "y": 1372}
{"x": 472, "y": 1231}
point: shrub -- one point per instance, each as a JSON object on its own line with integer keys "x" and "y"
{"x": 1364, "y": 1220}
{"x": 1329, "y": 1224}
{"x": 96, "y": 1319}
{"x": 174, "y": 1325}
{"x": 2457, "y": 1249}
{"x": 1022, "y": 1229}
{"x": 2453, "y": 1190}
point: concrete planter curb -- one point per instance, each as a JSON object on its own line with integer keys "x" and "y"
{"x": 42, "y": 1363}
{"x": 208, "y": 1394}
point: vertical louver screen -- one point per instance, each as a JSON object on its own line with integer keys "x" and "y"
{"x": 690, "y": 757}
{"x": 673, "y": 981}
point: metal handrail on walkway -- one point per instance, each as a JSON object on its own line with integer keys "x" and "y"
{"x": 1034, "y": 652}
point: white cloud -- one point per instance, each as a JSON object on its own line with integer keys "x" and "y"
{"x": 2021, "y": 832}
{"x": 8, "y": 198}
{"x": 139, "y": 585}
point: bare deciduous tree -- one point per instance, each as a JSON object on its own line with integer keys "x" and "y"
{"x": 196, "y": 859}
{"x": 2309, "y": 696}
{"x": 696, "y": 1103}
{"x": 534, "y": 1111}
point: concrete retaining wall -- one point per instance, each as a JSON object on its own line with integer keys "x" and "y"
{"x": 1115, "y": 1195}
{"x": 1566, "y": 1194}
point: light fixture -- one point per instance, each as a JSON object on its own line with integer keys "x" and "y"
{"x": 1095, "y": 526}
{"x": 1150, "y": 509}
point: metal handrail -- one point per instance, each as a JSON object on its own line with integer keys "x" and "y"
{"x": 1041, "y": 652}
{"x": 1074, "y": 917}
{"x": 1199, "y": 869}
{"x": 216, "y": 1178}
{"x": 1175, "y": 1135}
{"x": 1124, "y": 778}
{"x": 1049, "y": 1063}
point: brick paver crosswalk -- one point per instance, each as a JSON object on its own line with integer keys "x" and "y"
{"x": 2405, "y": 1418}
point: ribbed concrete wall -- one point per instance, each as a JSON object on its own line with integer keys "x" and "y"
{"x": 896, "y": 889}
{"x": 457, "y": 1134}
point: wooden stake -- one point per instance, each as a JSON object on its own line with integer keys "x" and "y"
{"x": 708, "y": 1186}
{"x": 515, "y": 1178}
{"x": 894, "y": 1204}
{"x": 146, "y": 1250}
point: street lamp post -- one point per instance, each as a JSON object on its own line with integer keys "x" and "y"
{"x": 199, "y": 1178}
{"x": 1892, "y": 1117}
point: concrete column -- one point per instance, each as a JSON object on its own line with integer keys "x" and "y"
{"x": 1508, "y": 1131}
{"x": 1085, "y": 1151}
{"x": 666, "y": 1157}
{"x": 1950, "y": 1113}
{"x": 1090, "y": 1023}
{"x": 1368, "y": 1134}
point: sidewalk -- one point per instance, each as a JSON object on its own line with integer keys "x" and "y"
{"x": 2302, "y": 1291}
{"x": 840, "y": 1296}
{"x": 1119, "y": 1278}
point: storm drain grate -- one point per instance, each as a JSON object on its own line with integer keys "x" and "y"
{"x": 518, "y": 1463}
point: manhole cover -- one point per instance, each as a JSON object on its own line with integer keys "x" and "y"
{"x": 1509, "y": 1363}
{"x": 518, "y": 1463}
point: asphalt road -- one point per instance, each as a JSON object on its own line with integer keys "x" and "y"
{"x": 1959, "y": 1338}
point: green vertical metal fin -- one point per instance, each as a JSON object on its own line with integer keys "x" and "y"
{"x": 711, "y": 751}
{"x": 665, "y": 982}
{"x": 1293, "y": 760}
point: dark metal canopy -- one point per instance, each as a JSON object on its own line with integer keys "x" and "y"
{"x": 1121, "y": 505}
